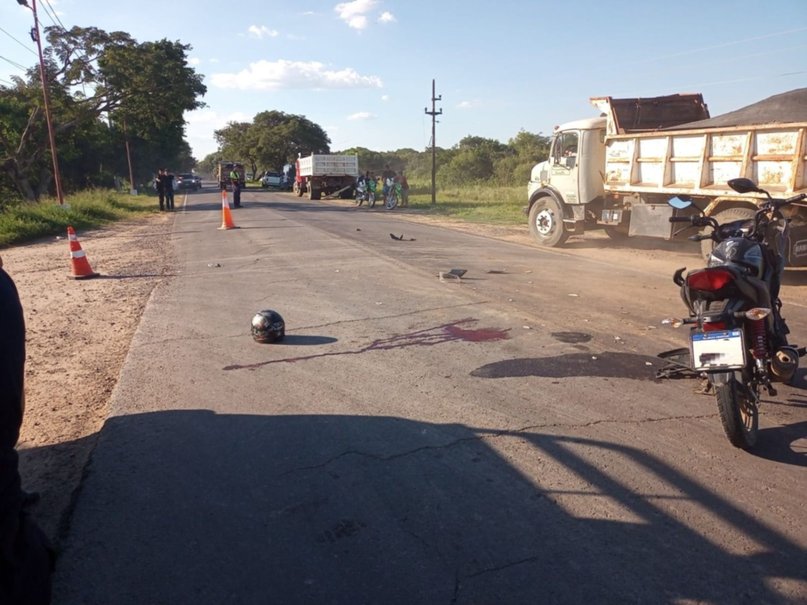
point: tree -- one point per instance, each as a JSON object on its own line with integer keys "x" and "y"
{"x": 237, "y": 143}
{"x": 97, "y": 80}
{"x": 271, "y": 139}
{"x": 281, "y": 137}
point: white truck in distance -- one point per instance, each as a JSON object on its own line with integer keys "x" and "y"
{"x": 618, "y": 171}
{"x": 326, "y": 175}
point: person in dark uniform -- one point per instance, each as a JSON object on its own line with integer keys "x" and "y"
{"x": 159, "y": 185}
{"x": 235, "y": 179}
{"x": 26, "y": 558}
{"x": 168, "y": 183}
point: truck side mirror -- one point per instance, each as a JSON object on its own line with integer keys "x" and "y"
{"x": 570, "y": 161}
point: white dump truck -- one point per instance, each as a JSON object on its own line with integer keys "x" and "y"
{"x": 617, "y": 171}
{"x": 326, "y": 175}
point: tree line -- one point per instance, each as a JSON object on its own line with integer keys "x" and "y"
{"x": 274, "y": 138}
{"x": 114, "y": 99}
{"x": 107, "y": 91}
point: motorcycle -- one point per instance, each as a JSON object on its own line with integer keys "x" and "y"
{"x": 738, "y": 337}
{"x": 365, "y": 192}
{"x": 393, "y": 193}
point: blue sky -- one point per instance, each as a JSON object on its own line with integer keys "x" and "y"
{"x": 363, "y": 69}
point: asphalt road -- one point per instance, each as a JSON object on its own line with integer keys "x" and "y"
{"x": 499, "y": 439}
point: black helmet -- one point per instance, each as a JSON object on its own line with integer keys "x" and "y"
{"x": 268, "y": 326}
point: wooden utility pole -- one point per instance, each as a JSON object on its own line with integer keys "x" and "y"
{"x": 57, "y": 175}
{"x": 433, "y": 113}
{"x": 132, "y": 188}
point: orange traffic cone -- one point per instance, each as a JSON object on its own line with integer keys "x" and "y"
{"x": 226, "y": 215}
{"x": 81, "y": 266}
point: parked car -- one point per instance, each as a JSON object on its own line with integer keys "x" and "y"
{"x": 272, "y": 180}
{"x": 187, "y": 182}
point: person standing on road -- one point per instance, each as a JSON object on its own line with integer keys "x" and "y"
{"x": 26, "y": 558}
{"x": 235, "y": 179}
{"x": 168, "y": 182}
{"x": 404, "y": 189}
{"x": 159, "y": 185}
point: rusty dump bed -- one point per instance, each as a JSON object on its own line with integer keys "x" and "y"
{"x": 786, "y": 108}
{"x": 651, "y": 113}
{"x": 765, "y": 142}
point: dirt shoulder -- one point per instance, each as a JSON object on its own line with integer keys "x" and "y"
{"x": 78, "y": 334}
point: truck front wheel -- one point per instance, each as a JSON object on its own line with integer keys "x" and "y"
{"x": 546, "y": 222}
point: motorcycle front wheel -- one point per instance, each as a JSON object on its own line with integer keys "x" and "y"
{"x": 738, "y": 413}
{"x": 392, "y": 201}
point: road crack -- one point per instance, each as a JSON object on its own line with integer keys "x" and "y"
{"x": 486, "y": 434}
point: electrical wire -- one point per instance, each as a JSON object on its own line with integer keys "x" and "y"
{"x": 30, "y": 50}
{"x": 14, "y": 63}
{"x": 52, "y": 14}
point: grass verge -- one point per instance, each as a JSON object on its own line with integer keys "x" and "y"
{"x": 495, "y": 205}
{"x": 27, "y": 221}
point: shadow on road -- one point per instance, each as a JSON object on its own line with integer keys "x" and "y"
{"x": 194, "y": 507}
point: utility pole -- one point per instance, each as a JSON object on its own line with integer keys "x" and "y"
{"x": 57, "y": 175}
{"x": 132, "y": 188}
{"x": 433, "y": 113}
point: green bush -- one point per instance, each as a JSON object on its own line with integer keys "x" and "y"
{"x": 24, "y": 221}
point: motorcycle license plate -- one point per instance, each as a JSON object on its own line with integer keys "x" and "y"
{"x": 720, "y": 350}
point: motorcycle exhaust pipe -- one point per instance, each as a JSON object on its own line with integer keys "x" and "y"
{"x": 785, "y": 362}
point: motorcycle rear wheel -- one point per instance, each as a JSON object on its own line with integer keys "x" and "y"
{"x": 738, "y": 413}
{"x": 371, "y": 200}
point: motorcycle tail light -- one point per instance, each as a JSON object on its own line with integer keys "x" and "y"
{"x": 711, "y": 326}
{"x": 709, "y": 280}
{"x": 757, "y": 313}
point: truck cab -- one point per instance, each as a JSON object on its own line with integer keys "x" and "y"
{"x": 561, "y": 187}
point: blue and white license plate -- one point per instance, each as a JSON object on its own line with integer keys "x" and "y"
{"x": 720, "y": 350}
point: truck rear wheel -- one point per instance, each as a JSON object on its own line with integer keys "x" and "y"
{"x": 726, "y": 216}
{"x": 313, "y": 193}
{"x": 546, "y": 222}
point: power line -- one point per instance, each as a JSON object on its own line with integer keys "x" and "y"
{"x": 691, "y": 51}
{"x": 55, "y": 14}
{"x": 49, "y": 14}
{"x": 30, "y": 50}
{"x": 14, "y": 63}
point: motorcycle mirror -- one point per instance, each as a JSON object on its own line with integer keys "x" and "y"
{"x": 742, "y": 185}
{"x": 679, "y": 203}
